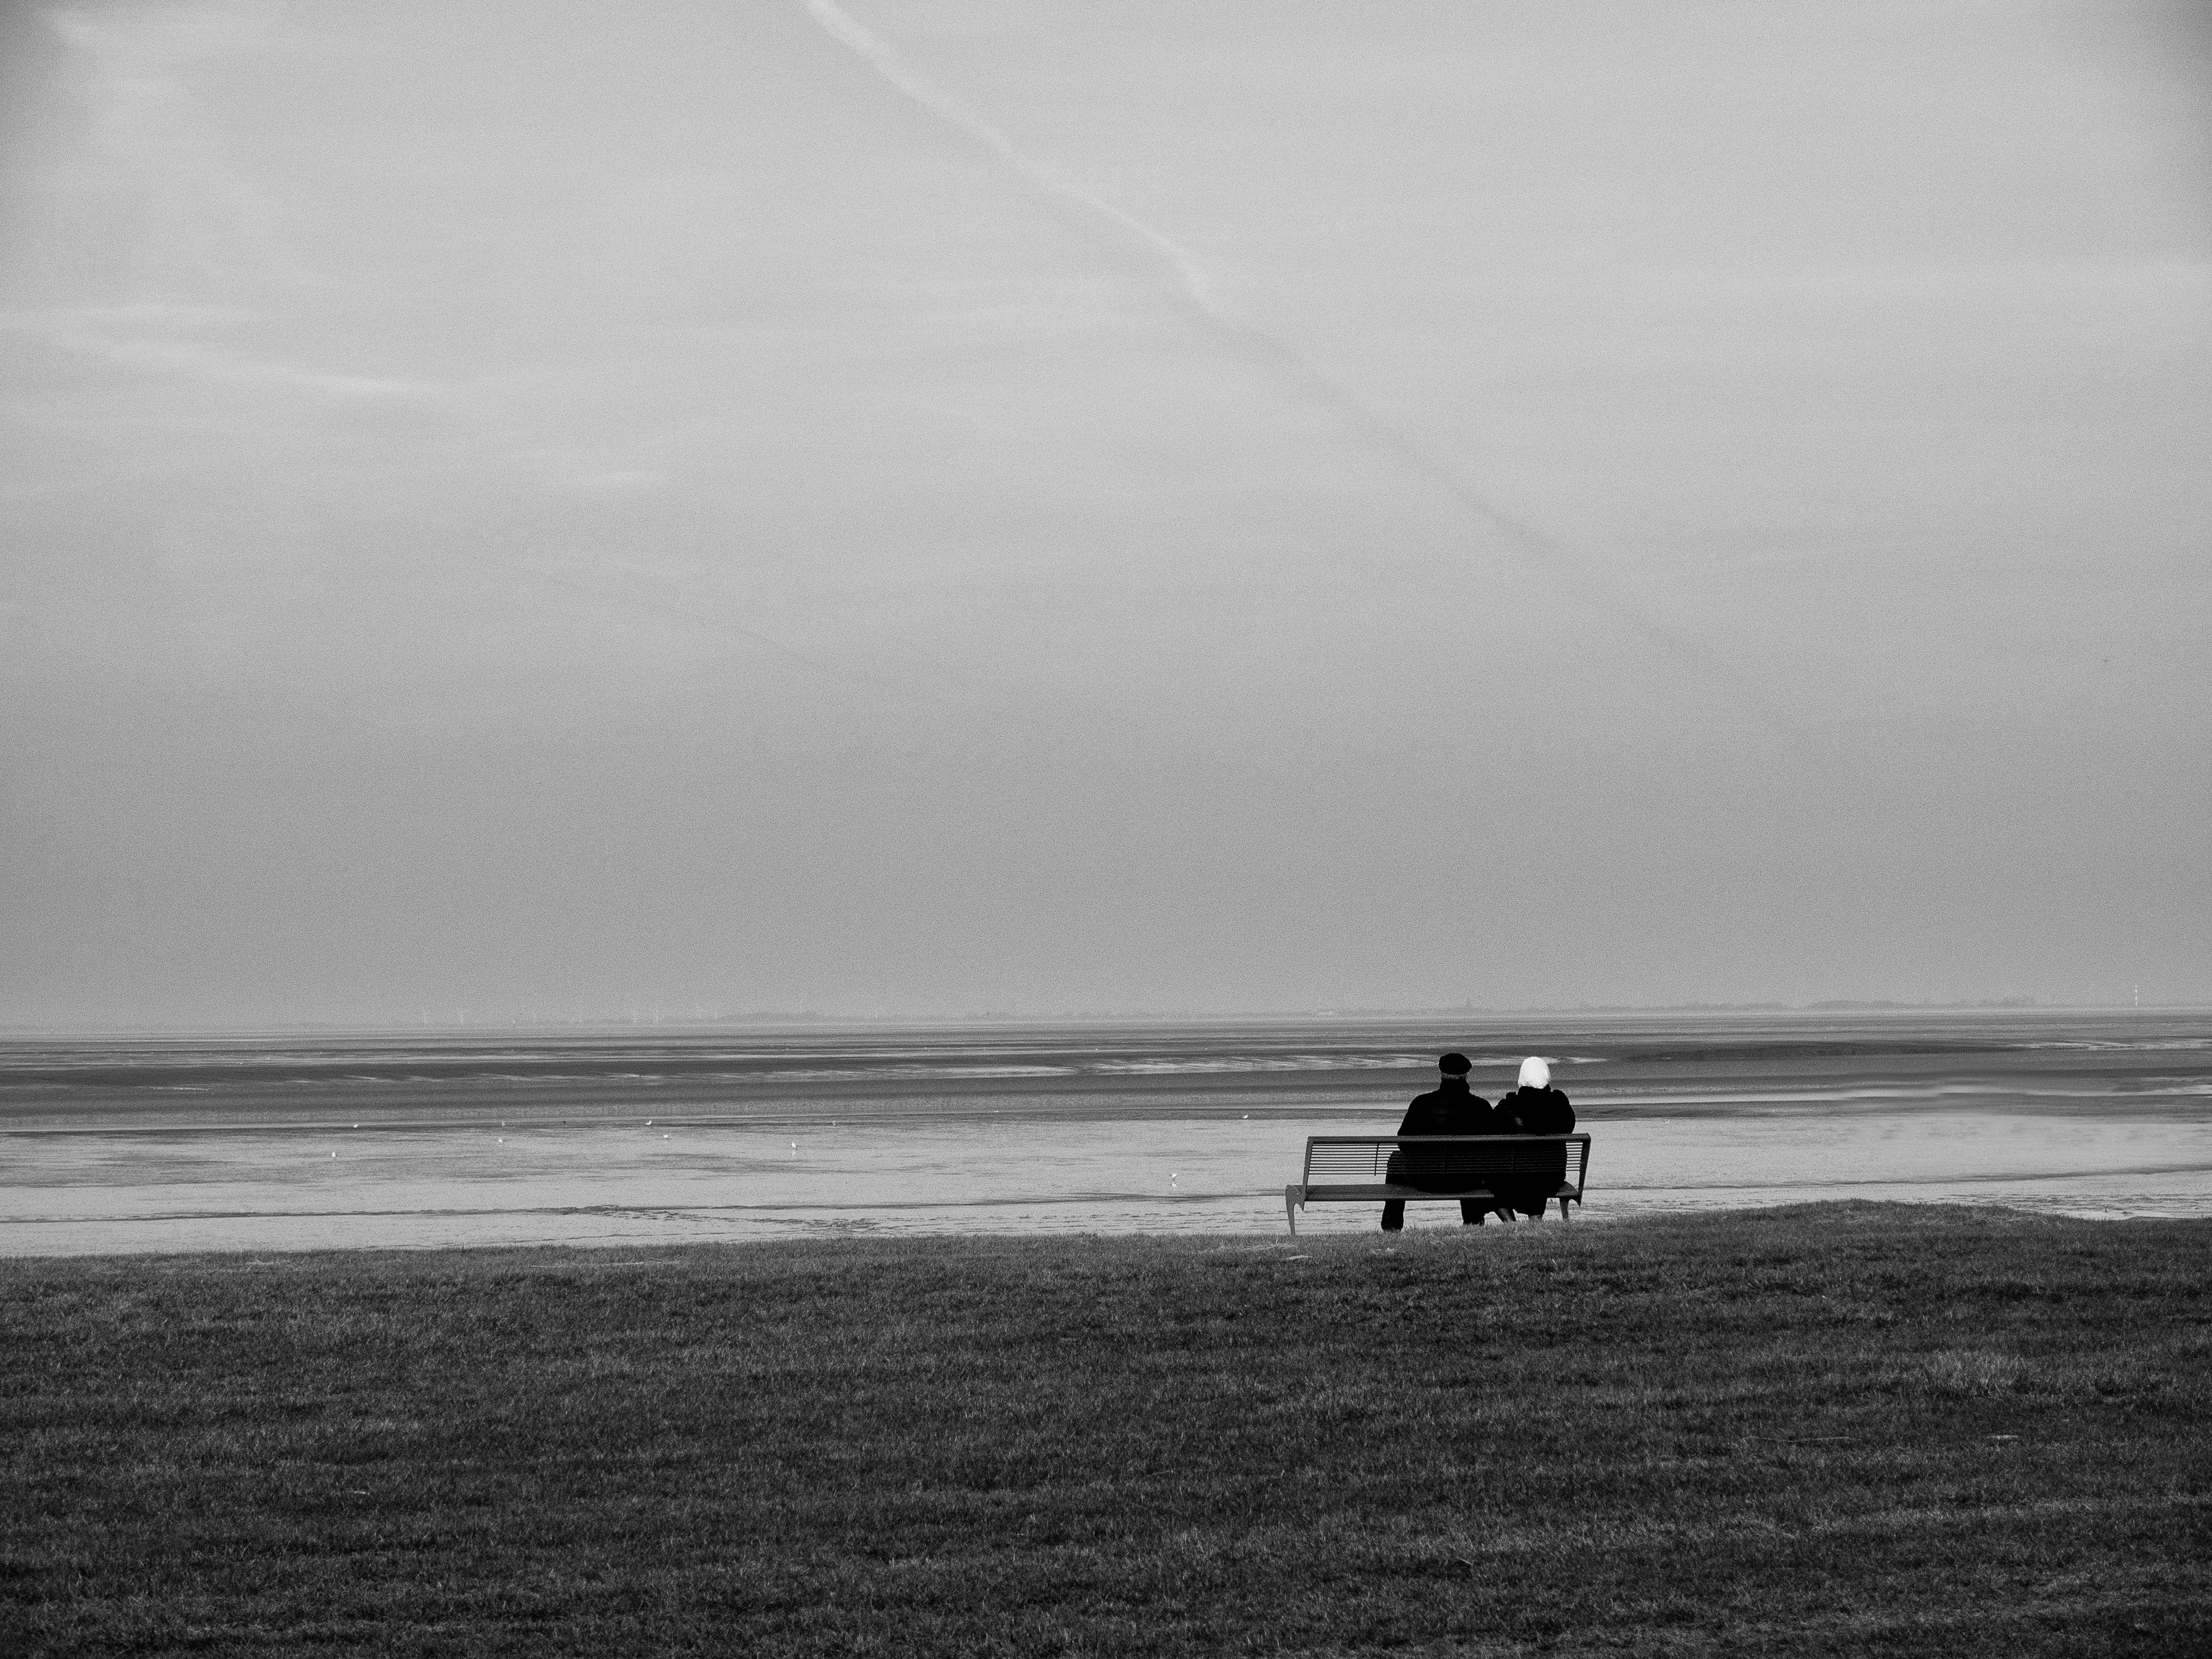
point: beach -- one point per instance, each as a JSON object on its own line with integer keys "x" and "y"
{"x": 649, "y": 1135}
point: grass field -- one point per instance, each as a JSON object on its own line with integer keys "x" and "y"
{"x": 1835, "y": 1429}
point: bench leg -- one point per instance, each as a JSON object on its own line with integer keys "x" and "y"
{"x": 1290, "y": 1209}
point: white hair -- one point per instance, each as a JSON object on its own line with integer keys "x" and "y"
{"x": 1536, "y": 1073}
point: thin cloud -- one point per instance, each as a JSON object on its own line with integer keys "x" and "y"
{"x": 208, "y": 220}
{"x": 199, "y": 360}
{"x": 1196, "y": 292}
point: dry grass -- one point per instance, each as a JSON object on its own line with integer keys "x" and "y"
{"x": 1836, "y": 1430}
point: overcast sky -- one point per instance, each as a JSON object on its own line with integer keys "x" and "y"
{"x": 940, "y": 505}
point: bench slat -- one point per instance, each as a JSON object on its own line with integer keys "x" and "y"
{"x": 1354, "y": 1168}
{"x": 1376, "y": 1191}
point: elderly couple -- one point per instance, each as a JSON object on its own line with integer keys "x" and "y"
{"x": 1525, "y": 1180}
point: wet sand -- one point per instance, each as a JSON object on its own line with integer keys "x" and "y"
{"x": 283, "y": 1142}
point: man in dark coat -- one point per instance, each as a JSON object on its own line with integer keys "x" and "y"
{"x": 1535, "y": 1108}
{"x": 1450, "y": 1109}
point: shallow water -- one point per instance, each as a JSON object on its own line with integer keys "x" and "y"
{"x": 284, "y": 1143}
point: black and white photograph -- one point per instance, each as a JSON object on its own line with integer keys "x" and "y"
{"x": 1137, "y": 829}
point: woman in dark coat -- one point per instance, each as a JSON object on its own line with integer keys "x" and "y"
{"x": 1535, "y": 1108}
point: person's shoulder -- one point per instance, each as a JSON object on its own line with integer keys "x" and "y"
{"x": 1422, "y": 1106}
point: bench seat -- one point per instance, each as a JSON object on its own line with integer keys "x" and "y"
{"x": 1350, "y": 1168}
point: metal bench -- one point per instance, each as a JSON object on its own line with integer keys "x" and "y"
{"x": 1354, "y": 1168}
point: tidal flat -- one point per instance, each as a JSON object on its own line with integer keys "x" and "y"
{"x": 1839, "y": 1428}
{"x": 632, "y": 1136}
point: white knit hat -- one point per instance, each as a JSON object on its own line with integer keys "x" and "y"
{"x": 1536, "y": 1073}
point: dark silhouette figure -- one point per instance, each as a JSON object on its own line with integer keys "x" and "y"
{"x": 1534, "y": 1109}
{"x": 1450, "y": 1109}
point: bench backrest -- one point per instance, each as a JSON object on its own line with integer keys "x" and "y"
{"x": 1465, "y": 1161}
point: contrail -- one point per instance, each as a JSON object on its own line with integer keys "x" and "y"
{"x": 1198, "y": 299}
{"x": 882, "y": 57}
